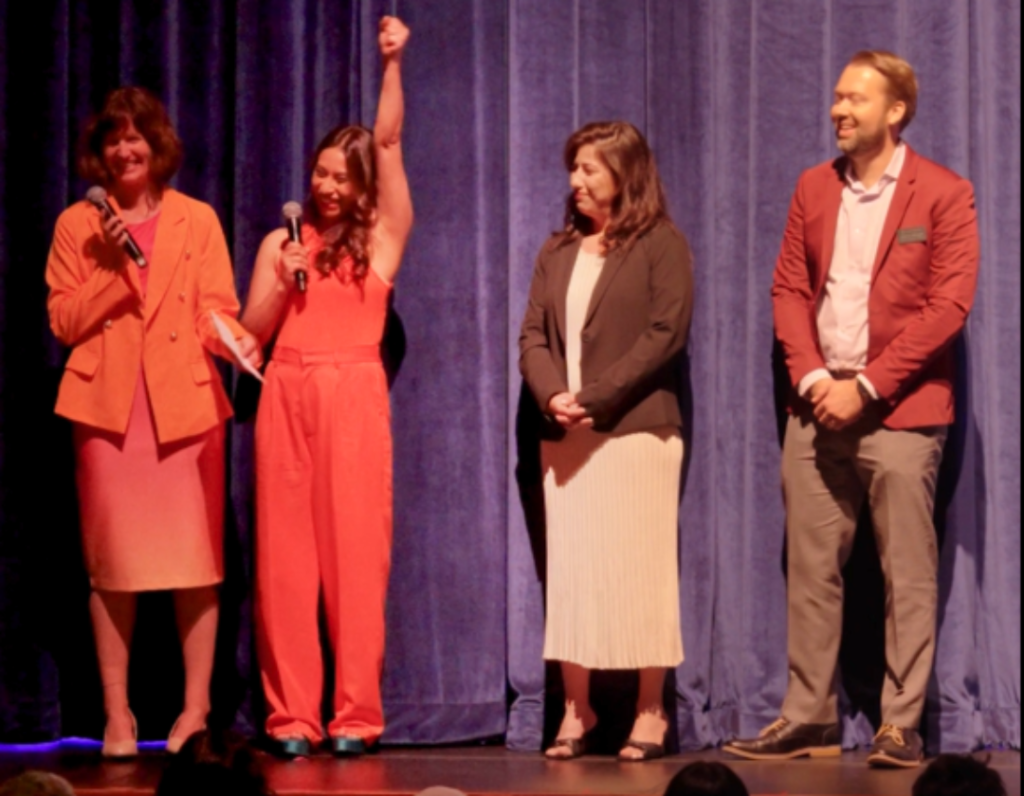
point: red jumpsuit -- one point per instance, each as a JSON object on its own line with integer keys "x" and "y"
{"x": 323, "y": 506}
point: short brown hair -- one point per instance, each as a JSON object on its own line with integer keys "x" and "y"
{"x": 137, "y": 106}
{"x": 898, "y": 74}
{"x": 640, "y": 204}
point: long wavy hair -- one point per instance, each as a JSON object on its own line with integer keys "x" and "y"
{"x": 351, "y": 236}
{"x": 639, "y": 205}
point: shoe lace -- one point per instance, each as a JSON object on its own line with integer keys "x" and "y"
{"x": 894, "y": 732}
{"x": 775, "y": 726}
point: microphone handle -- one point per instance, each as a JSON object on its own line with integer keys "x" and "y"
{"x": 295, "y": 235}
{"x": 134, "y": 251}
{"x": 130, "y": 246}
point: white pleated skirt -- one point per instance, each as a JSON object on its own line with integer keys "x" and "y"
{"x": 612, "y": 504}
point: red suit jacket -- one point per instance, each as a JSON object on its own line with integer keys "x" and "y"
{"x": 922, "y": 285}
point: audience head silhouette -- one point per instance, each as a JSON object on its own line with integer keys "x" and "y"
{"x": 212, "y": 763}
{"x": 959, "y": 775}
{"x": 706, "y": 778}
{"x": 37, "y": 783}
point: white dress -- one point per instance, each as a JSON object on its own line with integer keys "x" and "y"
{"x": 612, "y": 504}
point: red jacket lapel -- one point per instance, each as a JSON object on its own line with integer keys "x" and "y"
{"x": 905, "y": 187}
{"x": 832, "y": 200}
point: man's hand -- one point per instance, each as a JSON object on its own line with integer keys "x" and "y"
{"x": 567, "y": 412}
{"x": 819, "y": 389}
{"x": 837, "y": 404}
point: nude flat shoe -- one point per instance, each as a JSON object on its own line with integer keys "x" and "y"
{"x": 174, "y": 743}
{"x": 121, "y": 750}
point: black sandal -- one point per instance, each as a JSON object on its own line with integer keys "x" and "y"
{"x": 577, "y": 748}
{"x": 649, "y": 751}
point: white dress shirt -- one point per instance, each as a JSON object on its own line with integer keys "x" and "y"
{"x": 843, "y": 307}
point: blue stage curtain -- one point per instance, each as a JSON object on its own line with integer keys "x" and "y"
{"x": 734, "y": 97}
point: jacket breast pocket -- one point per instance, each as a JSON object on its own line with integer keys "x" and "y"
{"x": 84, "y": 361}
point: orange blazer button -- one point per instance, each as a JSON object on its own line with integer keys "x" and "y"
{"x": 108, "y": 324}
{"x": 174, "y": 336}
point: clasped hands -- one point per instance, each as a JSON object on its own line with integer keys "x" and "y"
{"x": 837, "y": 403}
{"x": 569, "y": 414}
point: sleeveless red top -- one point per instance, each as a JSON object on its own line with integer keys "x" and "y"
{"x": 336, "y": 311}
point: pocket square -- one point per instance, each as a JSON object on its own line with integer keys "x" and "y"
{"x": 912, "y": 235}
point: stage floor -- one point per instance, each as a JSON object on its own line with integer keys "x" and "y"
{"x": 480, "y": 771}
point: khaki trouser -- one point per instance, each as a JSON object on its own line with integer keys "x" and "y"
{"x": 826, "y": 475}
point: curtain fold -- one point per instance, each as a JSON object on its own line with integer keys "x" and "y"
{"x": 733, "y": 96}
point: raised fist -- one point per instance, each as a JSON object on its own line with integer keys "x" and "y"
{"x": 393, "y": 36}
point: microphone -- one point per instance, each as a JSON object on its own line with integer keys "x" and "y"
{"x": 98, "y": 197}
{"x": 292, "y": 212}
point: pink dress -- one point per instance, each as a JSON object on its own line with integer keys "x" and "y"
{"x": 151, "y": 513}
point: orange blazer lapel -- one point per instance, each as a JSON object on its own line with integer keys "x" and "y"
{"x": 171, "y": 240}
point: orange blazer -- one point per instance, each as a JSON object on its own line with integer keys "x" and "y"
{"x": 96, "y": 307}
{"x": 922, "y": 285}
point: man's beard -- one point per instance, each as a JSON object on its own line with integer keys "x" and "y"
{"x": 862, "y": 144}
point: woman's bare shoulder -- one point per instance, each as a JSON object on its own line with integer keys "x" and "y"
{"x": 274, "y": 239}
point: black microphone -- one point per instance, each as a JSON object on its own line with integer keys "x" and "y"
{"x": 98, "y": 197}
{"x": 292, "y": 212}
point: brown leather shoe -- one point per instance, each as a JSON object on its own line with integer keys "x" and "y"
{"x": 784, "y": 740}
{"x": 896, "y": 747}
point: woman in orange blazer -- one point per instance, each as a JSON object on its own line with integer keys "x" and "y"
{"x": 141, "y": 389}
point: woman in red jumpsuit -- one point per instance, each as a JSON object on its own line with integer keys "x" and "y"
{"x": 323, "y": 437}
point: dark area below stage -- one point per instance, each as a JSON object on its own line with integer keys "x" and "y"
{"x": 481, "y": 770}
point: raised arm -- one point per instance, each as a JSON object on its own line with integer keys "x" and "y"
{"x": 394, "y": 202}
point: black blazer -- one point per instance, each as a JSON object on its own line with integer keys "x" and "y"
{"x": 634, "y": 334}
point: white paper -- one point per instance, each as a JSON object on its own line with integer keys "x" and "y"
{"x": 229, "y": 340}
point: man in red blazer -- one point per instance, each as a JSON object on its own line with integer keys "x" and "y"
{"x": 876, "y": 276}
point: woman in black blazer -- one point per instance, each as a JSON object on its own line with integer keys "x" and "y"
{"x": 606, "y": 324}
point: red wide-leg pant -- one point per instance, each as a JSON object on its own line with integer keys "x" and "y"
{"x": 324, "y": 509}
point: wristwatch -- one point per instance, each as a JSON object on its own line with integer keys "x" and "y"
{"x": 864, "y": 392}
